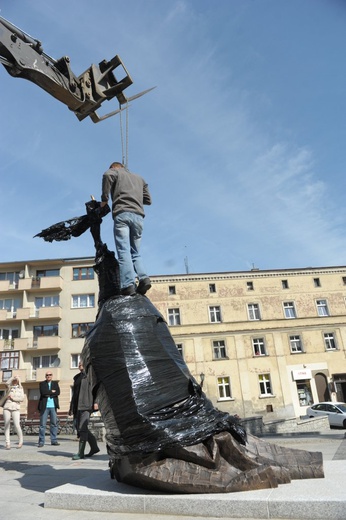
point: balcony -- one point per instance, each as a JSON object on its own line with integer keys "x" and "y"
{"x": 41, "y": 343}
{"x": 24, "y": 284}
{"x": 48, "y": 313}
{"x": 53, "y": 312}
{"x": 4, "y": 285}
{"x": 15, "y": 344}
{"x": 5, "y": 314}
{"x": 45, "y": 343}
{"x": 6, "y": 344}
{"x": 39, "y": 374}
{"x": 46, "y": 283}
{"x": 14, "y": 314}
{"x": 23, "y": 314}
{"x": 7, "y": 374}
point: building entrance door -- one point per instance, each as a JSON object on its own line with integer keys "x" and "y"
{"x": 33, "y": 397}
{"x": 340, "y": 387}
{"x": 322, "y": 387}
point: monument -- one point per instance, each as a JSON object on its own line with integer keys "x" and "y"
{"x": 162, "y": 431}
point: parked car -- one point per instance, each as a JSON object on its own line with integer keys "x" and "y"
{"x": 336, "y": 412}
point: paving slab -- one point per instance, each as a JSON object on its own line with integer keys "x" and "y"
{"x": 31, "y": 478}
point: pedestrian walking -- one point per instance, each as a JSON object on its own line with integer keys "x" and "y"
{"x": 83, "y": 402}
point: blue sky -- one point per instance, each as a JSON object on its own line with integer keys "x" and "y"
{"x": 242, "y": 142}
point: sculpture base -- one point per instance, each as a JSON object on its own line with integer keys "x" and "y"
{"x": 218, "y": 465}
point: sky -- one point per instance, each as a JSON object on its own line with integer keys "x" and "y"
{"x": 242, "y": 142}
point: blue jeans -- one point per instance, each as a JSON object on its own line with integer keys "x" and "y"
{"x": 128, "y": 229}
{"x": 51, "y": 412}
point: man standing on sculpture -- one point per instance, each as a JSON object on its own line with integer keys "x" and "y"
{"x": 129, "y": 192}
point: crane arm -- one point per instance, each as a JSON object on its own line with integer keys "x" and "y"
{"x": 23, "y": 57}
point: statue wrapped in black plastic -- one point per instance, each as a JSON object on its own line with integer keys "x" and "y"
{"x": 162, "y": 432}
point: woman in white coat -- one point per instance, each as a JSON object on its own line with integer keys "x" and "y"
{"x": 14, "y": 396}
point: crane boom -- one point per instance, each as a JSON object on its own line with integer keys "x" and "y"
{"x": 23, "y": 57}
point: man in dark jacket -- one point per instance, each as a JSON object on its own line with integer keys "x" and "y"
{"x": 74, "y": 399}
{"x": 82, "y": 404}
{"x": 129, "y": 193}
{"x": 47, "y": 406}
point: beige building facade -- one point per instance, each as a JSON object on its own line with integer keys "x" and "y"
{"x": 266, "y": 343}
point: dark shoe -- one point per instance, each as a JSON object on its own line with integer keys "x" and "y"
{"x": 93, "y": 445}
{"x": 40, "y": 445}
{"x": 144, "y": 285}
{"x": 55, "y": 443}
{"x": 92, "y": 452}
{"x": 128, "y": 291}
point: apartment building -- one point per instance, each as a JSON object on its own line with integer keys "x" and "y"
{"x": 261, "y": 342}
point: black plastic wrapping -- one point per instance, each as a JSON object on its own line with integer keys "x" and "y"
{"x": 76, "y": 226}
{"x": 148, "y": 399}
{"x": 107, "y": 269}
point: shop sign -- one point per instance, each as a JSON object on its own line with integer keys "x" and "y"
{"x": 305, "y": 373}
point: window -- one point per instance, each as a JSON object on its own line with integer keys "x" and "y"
{"x": 289, "y": 310}
{"x": 253, "y": 311}
{"x": 215, "y": 314}
{"x": 12, "y": 277}
{"x": 83, "y": 300}
{"x": 171, "y": 289}
{"x": 44, "y": 361}
{"x": 212, "y": 288}
{"x": 258, "y": 347}
{"x": 83, "y": 273}
{"x": 284, "y": 284}
{"x": 219, "y": 349}
{"x": 8, "y": 334}
{"x": 322, "y": 308}
{"x": 6, "y": 374}
{"x": 265, "y": 384}
{"x": 9, "y": 360}
{"x": 79, "y": 330}
{"x": 75, "y": 358}
{"x": 295, "y": 344}
{"x": 329, "y": 341}
{"x": 48, "y": 272}
{"x": 47, "y": 301}
{"x": 304, "y": 392}
{"x": 10, "y": 305}
{"x": 45, "y": 330}
{"x": 317, "y": 282}
{"x": 249, "y": 286}
{"x": 224, "y": 388}
{"x": 344, "y": 280}
{"x": 174, "y": 316}
{"x": 180, "y": 349}
{"x": 321, "y": 407}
